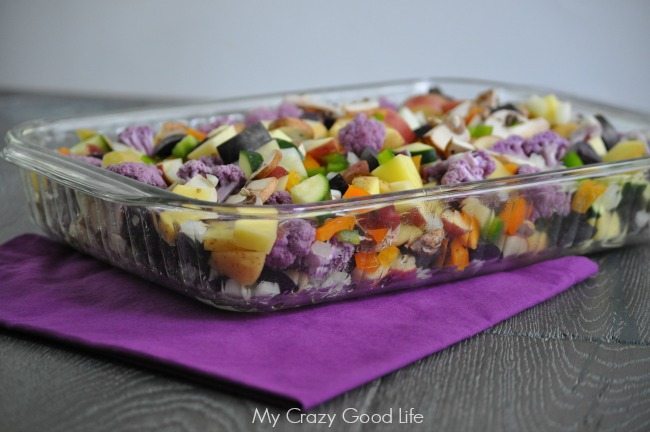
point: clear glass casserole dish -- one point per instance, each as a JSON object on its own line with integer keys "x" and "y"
{"x": 183, "y": 244}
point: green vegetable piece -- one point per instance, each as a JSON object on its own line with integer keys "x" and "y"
{"x": 148, "y": 160}
{"x": 349, "y": 236}
{"x": 480, "y": 130}
{"x": 315, "y": 171}
{"x": 312, "y": 189}
{"x": 384, "y": 156}
{"x": 285, "y": 144}
{"x": 336, "y": 166}
{"x": 185, "y": 146}
{"x": 250, "y": 161}
{"x": 493, "y": 230}
{"x": 572, "y": 160}
{"x": 334, "y": 158}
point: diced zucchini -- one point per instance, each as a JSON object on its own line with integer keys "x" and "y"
{"x": 249, "y": 161}
{"x": 209, "y": 147}
{"x": 184, "y": 147}
{"x": 313, "y": 189}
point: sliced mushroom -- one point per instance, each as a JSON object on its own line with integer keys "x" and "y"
{"x": 458, "y": 146}
{"x": 488, "y": 99}
{"x": 360, "y": 106}
{"x": 441, "y": 135}
{"x": 267, "y": 167}
{"x": 307, "y": 104}
{"x": 530, "y": 127}
{"x": 502, "y": 120}
{"x": 297, "y": 129}
{"x": 261, "y": 189}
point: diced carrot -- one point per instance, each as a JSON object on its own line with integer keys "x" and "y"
{"x": 366, "y": 261}
{"x": 64, "y": 151}
{"x": 333, "y": 226}
{"x": 378, "y": 234}
{"x": 292, "y": 180}
{"x": 470, "y": 239}
{"x": 417, "y": 160}
{"x": 310, "y": 162}
{"x": 514, "y": 214}
{"x": 354, "y": 191}
{"x": 587, "y": 193}
{"x": 458, "y": 254}
{"x": 511, "y": 167}
{"x": 388, "y": 255}
{"x": 200, "y": 136}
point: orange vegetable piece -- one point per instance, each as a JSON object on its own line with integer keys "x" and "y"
{"x": 366, "y": 261}
{"x": 458, "y": 254}
{"x": 588, "y": 192}
{"x": 514, "y": 214}
{"x": 293, "y": 178}
{"x": 200, "y": 136}
{"x": 64, "y": 151}
{"x": 470, "y": 239}
{"x": 511, "y": 167}
{"x": 388, "y": 255}
{"x": 310, "y": 162}
{"x": 333, "y": 226}
{"x": 355, "y": 191}
{"x": 378, "y": 234}
{"x": 417, "y": 160}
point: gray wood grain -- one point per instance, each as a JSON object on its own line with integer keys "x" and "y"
{"x": 580, "y": 361}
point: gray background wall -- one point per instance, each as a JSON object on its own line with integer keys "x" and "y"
{"x": 210, "y": 49}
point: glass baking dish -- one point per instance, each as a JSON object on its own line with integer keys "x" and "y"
{"x": 144, "y": 230}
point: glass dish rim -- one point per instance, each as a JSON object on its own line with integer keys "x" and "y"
{"x": 19, "y": 150}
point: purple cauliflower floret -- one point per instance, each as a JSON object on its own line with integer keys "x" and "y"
{"x": 513, "y": 145}
{"x": 294, "y": 241}
{"x": 211, "y": 160}
{"x": 148, "y": 174}
{"x": 546, "y": 200}
{"x": 202, "y": 166}
{"x": 88, "y": 159}
{"x": 192, "y": 168}
{"x": 285, "y": 109}
{"x": 527, "y": 169}
{"x": 231, "y": 179}
{"x": 384, "y": 102}
{"x": 551, "y": 146}
{"x": 139, "y": 138}
{"x": 260, "y": 114}
{"x": 362, "y": 133}
{"x": 461, "y": 168}
{"x": 279, "y": 197}
{"x": 435, "y": 171}
{"x": 327, "y": 258}
{"x": 219, "y": 121}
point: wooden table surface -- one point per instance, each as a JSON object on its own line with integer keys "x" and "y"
{"x": 580, "y": 361}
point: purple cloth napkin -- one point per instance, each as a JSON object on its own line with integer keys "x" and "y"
{"x": 303, "y": 356}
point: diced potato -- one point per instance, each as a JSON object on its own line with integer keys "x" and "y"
{"x": 241, "y": 265}
{"x": 399, "y": 168}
